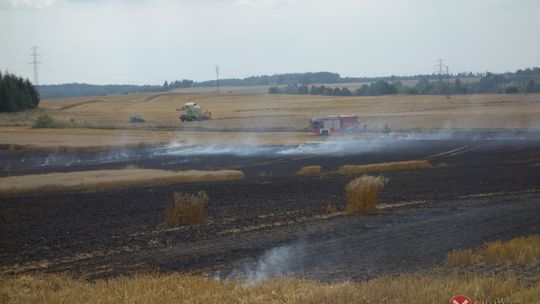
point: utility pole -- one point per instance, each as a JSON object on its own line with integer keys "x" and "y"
{"x": 35, "y": 63}
{"x": 217, "y": 78}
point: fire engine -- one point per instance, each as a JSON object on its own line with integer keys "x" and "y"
{"x": 335, "y": 124}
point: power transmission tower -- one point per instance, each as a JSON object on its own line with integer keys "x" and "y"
{"x": 217, "y": 78}
{"x": 440, "y": 67}
{"x": 441, "y": 70}
{"x": 35, "y": 63}
{"x": 447, "y": 82}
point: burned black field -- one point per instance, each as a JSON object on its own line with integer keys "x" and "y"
{"x": 273, "y": 223}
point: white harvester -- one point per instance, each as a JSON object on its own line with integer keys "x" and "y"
{"x": 191, "y": 111}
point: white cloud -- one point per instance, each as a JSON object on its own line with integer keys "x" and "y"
{"x": 28, "y": 4}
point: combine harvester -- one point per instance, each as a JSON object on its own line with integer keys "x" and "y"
{"x": 338, "y": 124}
{"x": 191, "y": 111}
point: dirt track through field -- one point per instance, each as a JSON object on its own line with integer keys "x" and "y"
{"x": 273, "y": 223}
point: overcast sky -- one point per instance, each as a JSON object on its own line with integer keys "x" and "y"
{"x": 149, "y": 41}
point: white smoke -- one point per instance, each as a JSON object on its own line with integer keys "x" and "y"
{"x": 332, "y": 146}
{"x": 275, "y": 262}
{"x": 212, "y": 149}
{"x": 67, "y": 159}
{"x": 345, "y": 145}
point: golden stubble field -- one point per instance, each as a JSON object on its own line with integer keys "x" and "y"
{"x": 436, "y": 285}
{"x": 267, "y": 118}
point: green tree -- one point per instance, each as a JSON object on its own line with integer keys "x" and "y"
{"x": 531, "y": 86}
{"x": 492, "y": 83}
{"x": 458, "y": 87}
{"x": 511, "y": 90}
{"x": 17, "y": 94}
{"x": 3, "y": 94}
{"x": 273, "y": 90}
{"x": 424, "y": 86}
{"x": 363, "y": 90}
{"x": 412, "y": 91}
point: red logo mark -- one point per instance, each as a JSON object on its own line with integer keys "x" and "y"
{"x": 460, "y": 300}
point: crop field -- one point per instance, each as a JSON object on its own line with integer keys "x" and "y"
{"x": 103, "y": 179}
{"x": 277, "y": 112}
{"x": 249, "y": 207}
{"x": 103, "y": 120}
{"x": 431, "y": 286}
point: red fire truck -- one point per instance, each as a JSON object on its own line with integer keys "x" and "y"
{"x": 336, "y": 124}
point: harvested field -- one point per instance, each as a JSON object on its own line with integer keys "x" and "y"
{"x": 382, "y": 167}
{"x": 181, "y": 288}
{"x": 85, "y": 139}
{"x": 106, "y": 179}
{"x": 309, "y": 170}
{"x": 488, "y": 192}
{"x": 249, "y": 117}
{"x": 520, "y": 250}
{"x": 233, "y": 111}
{"x": 433, "y": 286}
{"x": 271, "y": 220}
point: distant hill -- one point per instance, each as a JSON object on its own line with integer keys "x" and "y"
{"x": 310, "y": 78}
{"x": 83, "y": 89}
{"x": 489, "y": 82}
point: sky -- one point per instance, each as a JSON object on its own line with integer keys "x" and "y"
{"x": 150, "y": 41}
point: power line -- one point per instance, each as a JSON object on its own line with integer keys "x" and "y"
{"x": 35, "y": 63}
{"x": 57, "y": 68}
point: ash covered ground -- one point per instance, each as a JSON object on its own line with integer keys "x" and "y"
{"x": 273, "y": 222}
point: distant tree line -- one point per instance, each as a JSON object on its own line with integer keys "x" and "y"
{"x": 17, "y": 94}
{"x": 522, "y": 81}
{"x": 315, "y": 78}
{"x": 84, "y": 89}
{"x": 313, "y": 90}
{"x": 277, "y": 79}
{"x": 526, "y": 80}
{"x": 184, "y": 83}
{"x": 374, "y": 89}
{"x": 380, "y": 88}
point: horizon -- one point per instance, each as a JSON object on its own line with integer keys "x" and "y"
{"x": 267, "y": 75}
